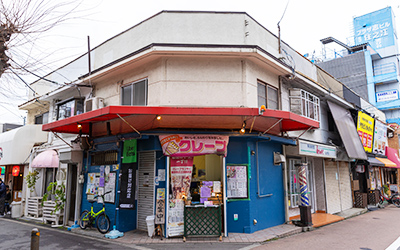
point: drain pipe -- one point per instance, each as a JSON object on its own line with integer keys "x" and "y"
{"x": 285, "y": 187}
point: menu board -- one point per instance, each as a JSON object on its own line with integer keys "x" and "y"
{"x": 127, "y": 186}
{"x": 237, "y": 179}
{"x": 176, "y": 217}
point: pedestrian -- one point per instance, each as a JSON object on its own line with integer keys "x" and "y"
{"x": 8, "y": 200}
{"x": 2, "y": 197}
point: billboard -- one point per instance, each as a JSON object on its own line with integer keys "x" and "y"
{"x": 380, "y": 138}
{"x": 375, "y": 28}
{"x": 365, "y": 129}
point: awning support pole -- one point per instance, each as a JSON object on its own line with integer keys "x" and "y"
{"x": 303, "y": 133}
{"x": 272, "y": 126}
{"x": 251, "y": 128}
{"x": 61, "y": 139}
{"x": 128, "y": 124}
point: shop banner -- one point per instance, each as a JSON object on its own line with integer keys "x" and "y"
{"x": 365, "y": 129}
{"x": 192, "y": 145}
{"x": 181, "y": 176}
{"x": 127, "y": 186}
{"x": 130, "y": 151}
{"x": 380, "y": 138}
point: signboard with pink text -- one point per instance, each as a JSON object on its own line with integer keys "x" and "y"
{"x": 193, "y": 144}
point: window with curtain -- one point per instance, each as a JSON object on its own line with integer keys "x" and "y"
{"x": 267, "y": 95}
{"x": 134, "y": 94}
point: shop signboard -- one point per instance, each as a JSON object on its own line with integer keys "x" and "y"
{"x": 160, "y": 206}
{"x": 181, "y": 176}
{"x": 176, "y": 220}
{"x": 380, "y": 138}
{"x": 127, "y": 186}
{"x": 193, "y": 144}
{"x": 365, "y": 129}
{"x": 130, "y": 151}
{"x": 389, "y": 95}
{"x": 315, "y": 149}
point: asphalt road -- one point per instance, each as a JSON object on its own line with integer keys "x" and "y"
{"x": 17, "y": 235}
{"x": 373, "y": 230}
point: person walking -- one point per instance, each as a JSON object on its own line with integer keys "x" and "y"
{"x": 8, "y": 200}
{"x": 2, "y": 197}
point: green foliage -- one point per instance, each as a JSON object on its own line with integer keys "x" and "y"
{"x": 31, "y": 179}
{"x": 58, "y": 190}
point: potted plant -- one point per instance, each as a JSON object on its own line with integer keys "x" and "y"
{"x": 56, "y": 192}
{"x": 31, "y": 179}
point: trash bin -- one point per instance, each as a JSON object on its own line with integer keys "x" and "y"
{"x": 150, "y": 225}
{"x": 16, "y": 209}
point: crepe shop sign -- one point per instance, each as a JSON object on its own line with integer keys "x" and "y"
{"x": 191, "y": 145}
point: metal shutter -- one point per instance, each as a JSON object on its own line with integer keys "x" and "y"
{"x": 146, "y": 187}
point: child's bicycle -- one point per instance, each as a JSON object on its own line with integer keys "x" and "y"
{"x": 88, "y": 217}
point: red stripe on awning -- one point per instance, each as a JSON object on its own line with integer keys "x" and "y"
{"x": 143, "y": 118}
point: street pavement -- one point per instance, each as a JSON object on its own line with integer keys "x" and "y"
{"x": 373, "y": 230}
{"x": 378, "y": 229}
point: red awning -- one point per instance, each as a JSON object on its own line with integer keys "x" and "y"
{"x": 392, "y": 155}
{"x": 122, "y": 119}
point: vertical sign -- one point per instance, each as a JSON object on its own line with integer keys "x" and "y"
{"x": 160, "y": 206}
{"x": 365, "y": 129}
{"x": 127, "y": 188}
{"x": 380, "y": 138}
{"x": 130, "y": 151}
{"x": 181, "y": 176}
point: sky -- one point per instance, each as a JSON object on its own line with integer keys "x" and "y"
{"x": 303, "y": 24}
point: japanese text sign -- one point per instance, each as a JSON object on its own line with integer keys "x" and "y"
{"x": 192, "y": 145}
{"x": 130, "y": 151}
{"x": 365, "y": 129}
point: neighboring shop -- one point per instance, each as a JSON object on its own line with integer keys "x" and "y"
{"x": 15, "y": 150}
{"x": 313, "y": 154}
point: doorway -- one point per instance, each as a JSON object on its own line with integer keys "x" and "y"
{"x": 72, "y": 181}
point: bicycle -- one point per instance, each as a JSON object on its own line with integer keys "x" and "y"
{"x": 393, "y": 199}
{"x": 88, "y": 217}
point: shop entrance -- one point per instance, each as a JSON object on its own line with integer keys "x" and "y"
{"x": 196, "y": 183}
{"x": 72, "y": 175}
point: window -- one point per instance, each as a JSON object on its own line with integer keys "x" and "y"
{"x": 42, "y": 119}
{"x": 135, "y": 94}
{"x": 305, "y": 104}
{"x": 267, "y": 95}
{"x": 69, "y": 108}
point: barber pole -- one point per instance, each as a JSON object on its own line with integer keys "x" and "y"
{"x": 304, "y": 201}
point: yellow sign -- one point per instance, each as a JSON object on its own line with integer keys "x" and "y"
{"x": 365, "y": 129}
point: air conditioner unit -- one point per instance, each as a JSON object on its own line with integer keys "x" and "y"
{"x": 94, "y": 103}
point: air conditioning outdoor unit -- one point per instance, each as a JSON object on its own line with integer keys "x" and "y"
{"x": 94, "y": 103}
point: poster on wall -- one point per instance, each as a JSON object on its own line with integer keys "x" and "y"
{"x": 380, "y": 138}
{"x": 176, "y": 217}
{"x": 181, "y": 176}
{"x": 365, "y": 129}
{"x": 192, "y": 145}
{"x": 94, "y": 186}
{"x": 237, "y": 182}
{"x": 127, "y": 186}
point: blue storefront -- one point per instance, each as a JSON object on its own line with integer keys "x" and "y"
{"x": 207, "y": 162}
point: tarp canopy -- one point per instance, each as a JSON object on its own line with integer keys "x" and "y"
{"x": 16, "y": 144}
{"x": 46, "y": 159}
{"x": 392, "y": 155}
{"x": 348, "y": 132}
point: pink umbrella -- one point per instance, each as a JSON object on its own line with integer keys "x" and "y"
{"x": 46, "y": 159}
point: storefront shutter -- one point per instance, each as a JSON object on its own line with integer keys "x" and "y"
{"x": 146, "y": 187}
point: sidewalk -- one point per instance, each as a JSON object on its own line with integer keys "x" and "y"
{"x": 141, "y": 237}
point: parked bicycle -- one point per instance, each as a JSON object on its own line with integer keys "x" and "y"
{"x": 88, "y": 217}
{"x": 393, "y": 199}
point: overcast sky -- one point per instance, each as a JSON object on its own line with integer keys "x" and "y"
{"x": 304, "y": 23}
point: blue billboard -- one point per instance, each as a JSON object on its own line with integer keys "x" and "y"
{"x": 375, "y": 28}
